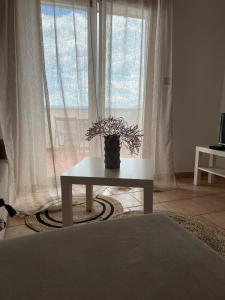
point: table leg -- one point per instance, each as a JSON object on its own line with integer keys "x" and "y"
{"x": 67, "y": 209}
{"x": 148, "y": 200}
{"x": 197, "y": 173}
{"x": 89, "y": 197}
{"x": 211, "y": 177}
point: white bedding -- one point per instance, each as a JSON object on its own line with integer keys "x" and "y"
{"x": 137, "y": 258}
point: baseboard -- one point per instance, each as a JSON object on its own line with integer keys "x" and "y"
{"x": 180, "y": 175}
{"x": 184, "y": 175}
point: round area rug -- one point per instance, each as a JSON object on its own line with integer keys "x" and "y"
{"x": 104, "y": 208}
{"x": 209, "y": 234}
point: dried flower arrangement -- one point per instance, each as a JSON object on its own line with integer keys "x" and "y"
{"x": 130, "y": 136}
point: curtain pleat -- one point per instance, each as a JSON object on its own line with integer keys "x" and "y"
{"x": 158, "y": 132}
{"x": 22, "y": 104}
{"x": 70, "y": 84}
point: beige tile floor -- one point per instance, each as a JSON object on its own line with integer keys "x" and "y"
{"x": 206, "y": 201}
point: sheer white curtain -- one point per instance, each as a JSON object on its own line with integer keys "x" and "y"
{"x": 136, "y": 40}
{"x": 69, "y": 78}
{"x": 21, "y": 103}
{"x": 47, "y": 95}
{"x": 123, "y": 33}
{"x": 158, "y": 138}
{"x": 54, "y": 57}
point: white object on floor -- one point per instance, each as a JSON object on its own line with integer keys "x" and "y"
{"x": 91, "y": 171}
{"x": 212, "y": 170}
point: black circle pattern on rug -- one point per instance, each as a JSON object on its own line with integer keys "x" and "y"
{"x": 103, "y": 208}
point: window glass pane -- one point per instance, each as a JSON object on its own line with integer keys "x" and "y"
{"x": 124, "y": 61}
{"x": 66, "y": 49}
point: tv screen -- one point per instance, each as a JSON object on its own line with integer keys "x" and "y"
{"x": 222, "y": 130}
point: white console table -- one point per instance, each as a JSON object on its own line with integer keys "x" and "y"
{"x": 211, "y": 169}
{"x": 133, "y": 172}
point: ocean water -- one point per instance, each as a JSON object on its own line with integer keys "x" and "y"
{"x": 65, "y": 36}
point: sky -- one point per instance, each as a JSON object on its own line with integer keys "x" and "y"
{"x": 66, "y": 58}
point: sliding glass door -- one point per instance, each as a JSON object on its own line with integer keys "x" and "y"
{"x": 94, "y": 67}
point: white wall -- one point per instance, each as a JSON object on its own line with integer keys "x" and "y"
{"x": 198, "y": 73}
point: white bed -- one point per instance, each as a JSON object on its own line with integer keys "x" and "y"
{"x": 146, "y": 257}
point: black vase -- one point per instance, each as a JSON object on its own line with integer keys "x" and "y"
{"x": 112, "y": 152}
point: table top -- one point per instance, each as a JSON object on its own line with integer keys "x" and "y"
{"x": 130, "y": 169}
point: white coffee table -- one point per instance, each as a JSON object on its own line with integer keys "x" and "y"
{"x": 91, "y": 171}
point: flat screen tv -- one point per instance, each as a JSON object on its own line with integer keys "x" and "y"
{"x": 222, "y": 130}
